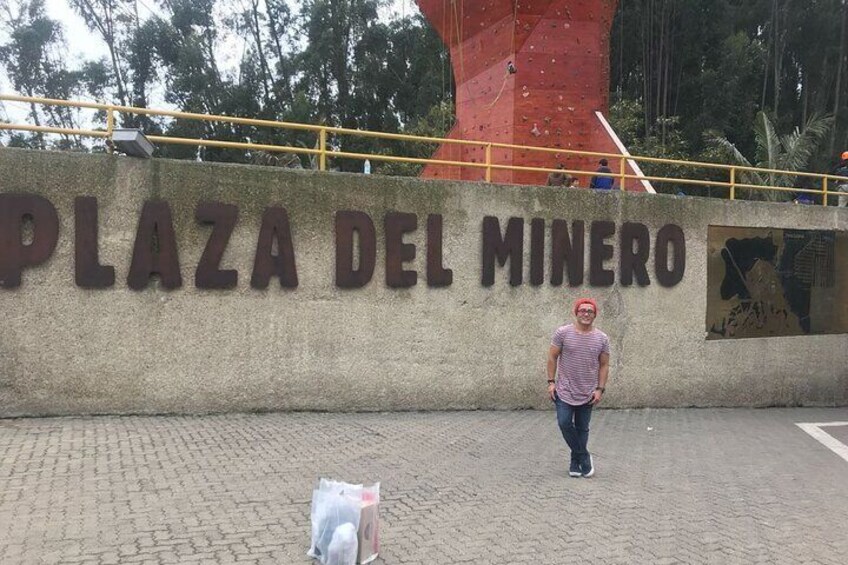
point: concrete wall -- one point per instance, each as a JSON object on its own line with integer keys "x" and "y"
{"x": 66, "y": 350}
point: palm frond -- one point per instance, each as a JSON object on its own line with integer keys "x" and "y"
{"x": 799, "y": 146}
{"x": 733, "y": 155}
{"x": 768, "y": 142}
{"x": 791, "y": 152}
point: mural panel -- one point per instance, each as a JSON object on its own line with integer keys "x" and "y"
{"x": 765, "y": 282}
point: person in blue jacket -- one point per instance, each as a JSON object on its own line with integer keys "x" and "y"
{"x": 841, "y": 185}
{"x": 603, "y": 178}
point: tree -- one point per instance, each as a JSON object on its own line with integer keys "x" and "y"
{"x": 437, "y": 123}
{"x": 112, "y": 20}
{"x": 35, "y": 67}
{"x": 790, "y": 152}
{"x": 688, "y": 66}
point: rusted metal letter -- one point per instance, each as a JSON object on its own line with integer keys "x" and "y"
{"x": 15, "y": 211}
{"x": 155, "y": 250}
{"x": 599, "y": 252}
{"x": 537, "y": 251}
{"x": 398, "y": 252}
{"x": 670, "y": 234}
{"x": 275, "y": 226}
{"x": 633, "y": 262}
{"x": 348, "y": 222}
{"x": 437, "y": 275}
{"x": 567, "y": 251}
{"x": 88, "y": 272}
{"x": 222, "y": 218}
{"x": 510, "y": 247}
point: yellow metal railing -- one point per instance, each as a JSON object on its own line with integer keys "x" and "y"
{"x": 323, "y": 151}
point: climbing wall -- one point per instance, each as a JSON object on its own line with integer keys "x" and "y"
{"x": 559, "y": 52}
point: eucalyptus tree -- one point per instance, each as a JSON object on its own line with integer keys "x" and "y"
{"x": 114, "y": 21}
{"x": 333, "y": 32}
{"x": 35, "y": 66}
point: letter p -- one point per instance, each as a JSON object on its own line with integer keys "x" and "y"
{"x": 15, "y": 209}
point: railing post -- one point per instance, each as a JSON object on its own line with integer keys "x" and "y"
{"x": 110, "y": 128}
{"x": 824, "y": 190}
{"x": 322, "y": 148}
{"x": 623, "y": 172}
{"x": 488, "y": 162}
{"x": 732, "y": 183}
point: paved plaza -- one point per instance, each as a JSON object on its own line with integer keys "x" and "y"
{"x": 672, "y": 486}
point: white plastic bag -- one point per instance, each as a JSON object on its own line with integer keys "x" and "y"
{"x": 343, "y": 546}
{"x": 335, "y": 505}
{"x": 336, "y": 511}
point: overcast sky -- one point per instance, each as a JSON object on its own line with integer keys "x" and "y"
{"x": 85, "y": 45}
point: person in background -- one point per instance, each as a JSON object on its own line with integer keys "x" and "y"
{"x": 577, "y": 369}
{"x": 572, "y": 183}
{"x": 806, "y": 183}
{"x": 558, "y": 178}
{"x": 842, "y": 185}
{"x": 603, "y": 177}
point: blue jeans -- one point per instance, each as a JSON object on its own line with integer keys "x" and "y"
{"x": 574, "y": 424}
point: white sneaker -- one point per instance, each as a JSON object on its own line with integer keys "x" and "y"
{"x": 588, "y": 468}
{"x": 574, "y": 470}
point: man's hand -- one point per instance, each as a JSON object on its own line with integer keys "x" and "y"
{"x": 596, "y": 396}
{"x": 552, "y": 391}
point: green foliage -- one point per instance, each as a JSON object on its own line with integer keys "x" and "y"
{"x": 791, "y": 152}
{"x": 715, "y": 64}
{"x": 663, "y": 140}
{"x": 678, "y": 69}
{"x": 35, "y": 66}
{"x": 437, "y": 123}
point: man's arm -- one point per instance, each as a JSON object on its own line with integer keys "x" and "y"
{"x": 603, "y": 375}
{"x": 553, "y": 355}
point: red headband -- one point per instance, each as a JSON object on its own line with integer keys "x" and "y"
{"x": 589, "y": 301}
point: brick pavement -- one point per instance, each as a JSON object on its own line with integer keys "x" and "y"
{"x": 672, "y": 486}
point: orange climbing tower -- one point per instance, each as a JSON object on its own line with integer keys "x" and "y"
{"x": 530, "y": 73}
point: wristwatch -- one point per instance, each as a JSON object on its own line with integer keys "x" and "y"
{"x": 600, "y": 388}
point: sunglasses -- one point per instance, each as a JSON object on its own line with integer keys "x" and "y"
{"x": 584, "y": 311}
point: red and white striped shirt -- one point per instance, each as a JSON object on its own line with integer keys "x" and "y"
{"x": 578, "y": 363}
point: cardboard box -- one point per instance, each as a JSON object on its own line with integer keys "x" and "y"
{"x": 368, "y": 535}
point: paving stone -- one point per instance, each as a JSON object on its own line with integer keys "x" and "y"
{"x": 672, "y": 486}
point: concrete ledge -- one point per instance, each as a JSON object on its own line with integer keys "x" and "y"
{"x": 68, "y": 350}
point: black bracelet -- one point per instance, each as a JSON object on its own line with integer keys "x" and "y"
{"x": 550, "y": 381}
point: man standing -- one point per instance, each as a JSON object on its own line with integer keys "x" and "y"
{"x": 579, "y": 358}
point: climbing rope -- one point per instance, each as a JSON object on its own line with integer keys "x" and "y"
{"x": 509, "y": 70}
